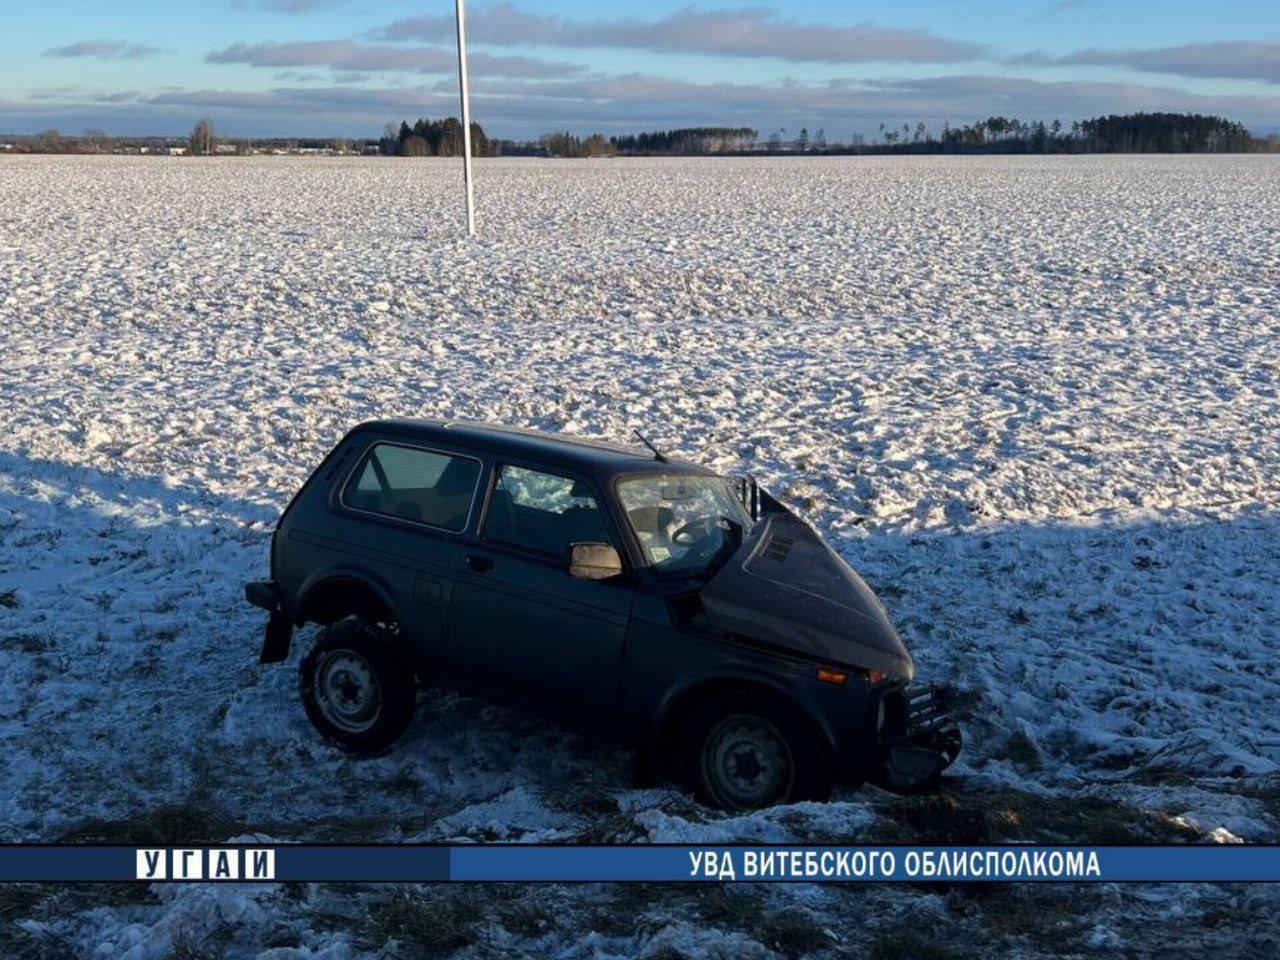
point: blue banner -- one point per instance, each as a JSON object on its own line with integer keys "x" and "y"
{"x": 642, "y": 863}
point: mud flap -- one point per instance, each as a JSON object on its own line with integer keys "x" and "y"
{"x": 275, "y": 645}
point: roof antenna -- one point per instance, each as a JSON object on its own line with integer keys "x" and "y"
{"x": 657, "y": 454}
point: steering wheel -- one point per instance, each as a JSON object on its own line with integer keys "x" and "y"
{"x": 650, "y": 520}
{"x": 695, "y": 531}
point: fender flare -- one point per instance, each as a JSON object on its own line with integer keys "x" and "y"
{"x": 343, "y": 577}
{"x": 678, "y": 697}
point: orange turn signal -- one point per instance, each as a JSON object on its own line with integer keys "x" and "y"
{"x": 874, "y": 676}
{"x": 832, "y": 676}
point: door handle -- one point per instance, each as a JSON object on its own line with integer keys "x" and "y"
{"x": 478, "y": 563}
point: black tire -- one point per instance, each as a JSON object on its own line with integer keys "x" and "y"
{"x": 357, "y": 687}
{"x": 748, "y": 749}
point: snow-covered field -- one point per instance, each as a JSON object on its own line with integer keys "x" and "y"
{"x": 1033, "y": 400}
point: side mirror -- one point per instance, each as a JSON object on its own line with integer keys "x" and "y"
{"x": 593, "y": 561}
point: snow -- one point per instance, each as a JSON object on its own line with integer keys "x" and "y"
{"x": 1033, "y": 401}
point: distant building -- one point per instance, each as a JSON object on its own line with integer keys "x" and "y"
{"x": 177, "y": 151}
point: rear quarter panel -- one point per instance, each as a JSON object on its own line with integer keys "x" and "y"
{"x": 319, "y": 541}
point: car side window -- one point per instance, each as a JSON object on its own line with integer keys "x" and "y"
{"x": 410, "y": 483}
{"x": 542, "y": 512}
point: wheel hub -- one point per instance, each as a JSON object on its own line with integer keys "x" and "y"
{"x": 747, "y": 767}
{"x": 347, "y": 691}
{"x": 747, "y": 761}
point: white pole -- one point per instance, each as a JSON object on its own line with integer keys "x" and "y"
{"x": 460, "y": 8}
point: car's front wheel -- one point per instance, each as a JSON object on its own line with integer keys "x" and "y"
{"x": 747, "y": 750}
{"x": 357, "y": 687}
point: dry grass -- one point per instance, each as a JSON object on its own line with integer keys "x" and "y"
{"x": 168, "y": 825}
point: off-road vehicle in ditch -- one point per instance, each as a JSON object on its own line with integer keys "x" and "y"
{"x": 693, "y": 616}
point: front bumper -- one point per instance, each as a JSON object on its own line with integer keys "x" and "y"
{"x": 279, "y": 633}
{"x": 916, "y": 737}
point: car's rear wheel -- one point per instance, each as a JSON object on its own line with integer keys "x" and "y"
{"x": 357, "y": 687}
{"x": 746, "y": 750}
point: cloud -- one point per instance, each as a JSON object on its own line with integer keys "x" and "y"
{"x": 329, "y": 100}
{"x": 747, "y": 32}
{"x": 957, "y": 98}
{"x": 287, "y": 6}
{"x": 515, "y": 107}
{"x": 1057, "y": 9}
{"x": 117, "y": 96}
{"x": 104, "y": 50}
{"x": 972, "y": 96}
{"x": 1236, "y": 60}
{"x": 350, "y": 56}
{"x": 521, "y": 107}
{"x": 338, "y": 55}
{"x": 63, "y": 94}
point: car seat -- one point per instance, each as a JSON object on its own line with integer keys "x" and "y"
{"x": 453, "y": 492}
{"x": 501, "y": 523}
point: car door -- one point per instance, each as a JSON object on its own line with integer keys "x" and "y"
{"x": 519, "y": 621}
{"x": 404, "y": 511}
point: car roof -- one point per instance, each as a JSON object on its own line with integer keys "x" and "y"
{"x": 600, "y": 457}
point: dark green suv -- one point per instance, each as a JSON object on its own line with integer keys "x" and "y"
{"x": 641, "y": 597}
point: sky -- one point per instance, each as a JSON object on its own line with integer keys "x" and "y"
{"x": 330, "y": 68}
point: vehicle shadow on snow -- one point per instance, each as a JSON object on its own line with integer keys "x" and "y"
{"x": 119, "y": 609}
{"x": 1127, "y": 665}
{"x": 135, "y": 696}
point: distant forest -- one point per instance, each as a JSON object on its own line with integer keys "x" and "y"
{"x": 688, "y": 140}
{"x": 1131, "y": 133}
{"x": 443, "y": 138}
{"x": 432, "y": 138}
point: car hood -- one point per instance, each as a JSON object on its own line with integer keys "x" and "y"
{"x": 785, "y": 586}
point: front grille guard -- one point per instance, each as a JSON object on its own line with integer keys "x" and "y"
{"x": 928, "y": 710}
{"x": 921, "y": 717}
{"x": 919, "y": 740}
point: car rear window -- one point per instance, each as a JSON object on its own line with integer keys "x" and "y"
{"x": 410, "y": 483}
{"x": 542, "y": 512}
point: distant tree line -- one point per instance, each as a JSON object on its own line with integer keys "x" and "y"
{"x": 432, "y": 138}
{"x": 1165, "y": 133}
{"x": 51, "y": 141}
{"x": 566, "y": 144}
{"x": 688, "y": 140}
{"x": 202, "y": 140}
{"x": 1132, "y": 133}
